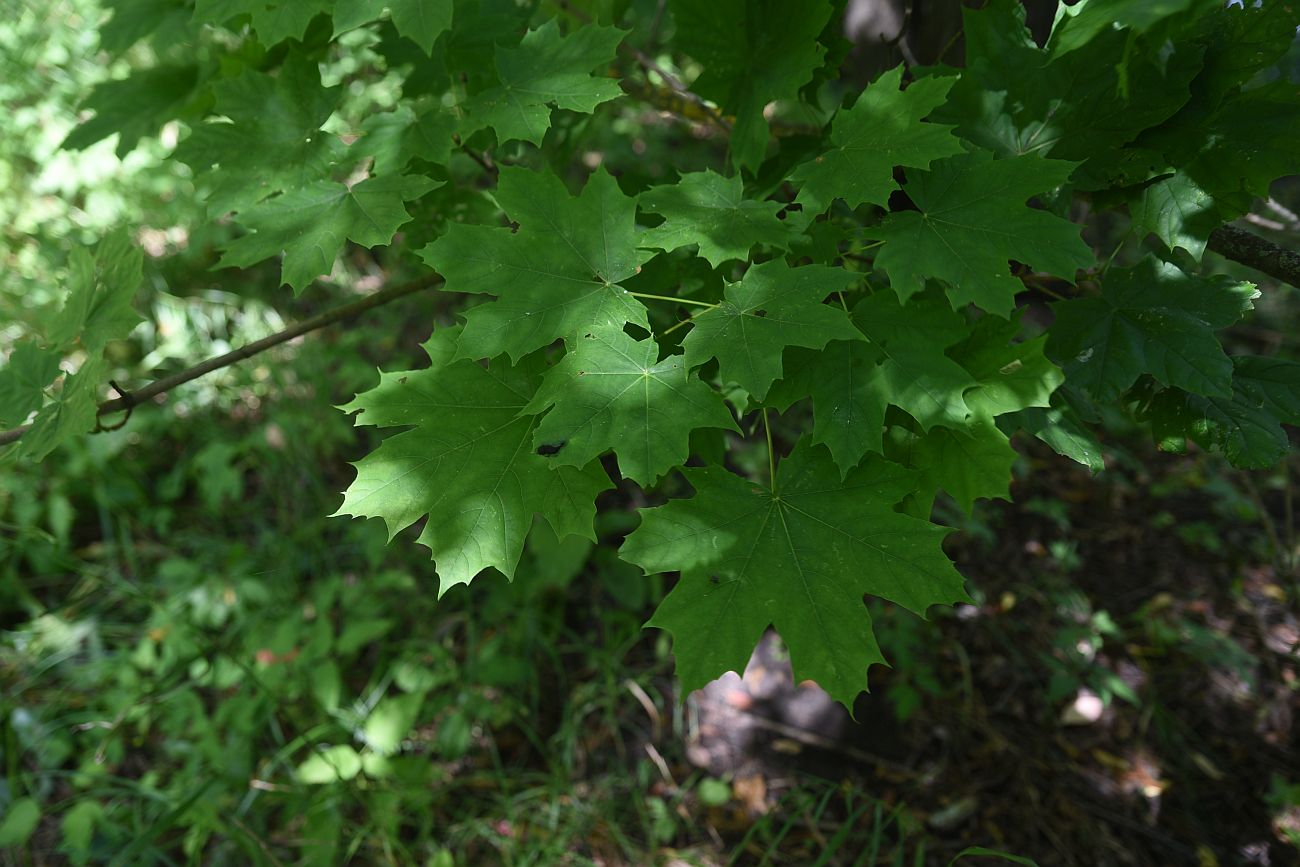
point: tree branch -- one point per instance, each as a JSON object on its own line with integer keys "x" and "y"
{"x": 649, "y": 65}
{"x": 329, "y": 317}
{"x": 1255, "y": 252}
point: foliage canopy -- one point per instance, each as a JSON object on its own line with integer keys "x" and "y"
{"x": 847, "y": 281}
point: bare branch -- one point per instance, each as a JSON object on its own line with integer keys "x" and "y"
{"x": 329, "y": 317}
{"x": 1255, "y": 252}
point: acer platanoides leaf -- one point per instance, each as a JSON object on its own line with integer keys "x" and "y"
{"x": 557, "y": 276}
{"x": 613, "y": 392}
{"x": 772, "y": 307}
{"x": 466, "y": 462}
{"x": 972, "y": 220}
{"x": 800, "y": 557}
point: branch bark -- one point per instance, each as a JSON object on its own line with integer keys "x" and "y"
{"x": 1255, "y": 252}
{"x": 329, "y": 317}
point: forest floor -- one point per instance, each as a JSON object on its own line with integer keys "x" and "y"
{"x": 1123, "y": 693}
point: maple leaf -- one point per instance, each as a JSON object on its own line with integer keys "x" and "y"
{"x": 772, "y": 307}
{"x": 134, "y": 107}
{"x": 972, "y": 220}
{"x": 799, "y": 557}
{"x": 280, "y": 115}
{"x": 748, "y": 62}
{"x": 882, "y": 130}
{"x": 1011, "y": 375}
{"x": 557, "y": 276}
{"x": 23, "y": 379}
{"x": 706, "y": 209}
{"x": 421, "y": 21}
{"x": 1176, "y": 210}
{"x": 969, "y": 463}
{"x": 72, "y": 412}
{"x": 1058, "y": 427}
{"x": 546, "y": 69}
{"x": 466, "y": 463}
{"x": 310, "y": 225}
{"x": 1151, "y": 318}
{"x": 1079, "y": 25}
{"x": 273, "y": 20}
{"x": 1016, "y": 98}
{"x": 612, "y": 391}
{"x": 98, "y": 308}
{"x": 902, "y": 364}
{"x": 394, "y": 138}
{"x": 1235, "y": 150}
{"x": 1246, "y": 424}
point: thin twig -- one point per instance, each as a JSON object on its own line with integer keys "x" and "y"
{"x": 649, "y": 65}
{"x": 329, "y": 317}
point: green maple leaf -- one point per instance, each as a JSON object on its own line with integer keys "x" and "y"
{"x": 72, "y": 413}
{"x": 263, "y": 115}
{"x": 1235, "y": 150}
{"x": 23, "y": 379}
{"x": 421, "y": 21}
{"x": 310, "y": 225}
{"x": 613, "y": 392}
{"x": 1077, "y": 26}
{"x": 1058, "y": 427}
{"x": 1011, "y": 376}
{"x": 972, "y": 220}
{"x": 273, "y": 20}
{"x": 772, "y": 307}
{"x": 1016, "y": 98}
{"x": 466, "y": 462}
{"x": 134, "y": 107}
{"x": 1177, "y": 211}
{"x": 800, "y": 557}
{"x": 848, "y": 395}
{"x": 1241, "y": 40}
{"x": 557, "y": 276}
{"x": 706, "y": 209}
{"x": 970, "y": 463}
{"x": 903, "y": 364}
{"x": 915, "y": 374}
{"x": 1247, "y": 424}
{"x": 394, "y": 138}
{"x": 162, "y": 21}
{"x": 98, "y": 309}
{"x": 882, "y": 130}
{"x": 754, "y": 52}
{"x": 545, "y": 70}
{"x": 1149, "y": 319}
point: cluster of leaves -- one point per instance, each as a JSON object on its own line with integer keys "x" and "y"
{"x": 871, "y": 281}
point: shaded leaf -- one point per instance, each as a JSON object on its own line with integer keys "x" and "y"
{"x": 882, "y": 130}
{"x": 310, "y": 225}
{"x": 972, "y": 220}
{"x": 1153, "y": 319}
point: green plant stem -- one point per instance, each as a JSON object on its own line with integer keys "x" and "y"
{"x": 671, "y": 298}
{"x": 687, "y": 321}
{"x": 771, "y": 453}
{"x": 329, "y": 317}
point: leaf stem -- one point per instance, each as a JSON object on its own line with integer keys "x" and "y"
{"x": 670, "y": 298}
{"x": 771, "y": 453}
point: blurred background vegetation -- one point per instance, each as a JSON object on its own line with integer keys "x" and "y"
{"x": 197, "y": 666}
